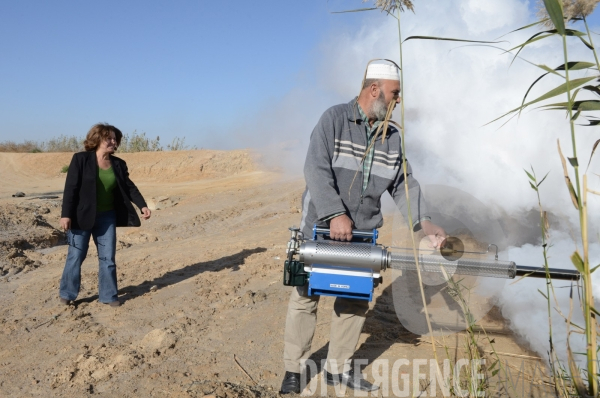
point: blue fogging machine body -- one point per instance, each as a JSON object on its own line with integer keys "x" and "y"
{"x": 353, "y": 269}
{"x": 339, "y": 280}
{"x": 333, "y": 268}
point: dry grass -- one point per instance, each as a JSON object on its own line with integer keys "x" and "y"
{"x": 60, "y": 144}
{"x": 63, "y": 144}
{"x": 24, "y": 147}
{"x": 139, "y": 143}
{"x": 130, "y": 143}
{"x": 178, "y": 144}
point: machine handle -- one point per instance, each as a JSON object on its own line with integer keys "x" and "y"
{"x": 359, "y": 233}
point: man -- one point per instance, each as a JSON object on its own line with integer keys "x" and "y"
{"x": 345, "y": 179}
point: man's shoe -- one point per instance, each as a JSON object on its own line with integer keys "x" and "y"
{"x": 64, "y": 301}
{"x": 350, "y": 380}
{"x": 291, "y": 383}
{"x": 115, "y": 303}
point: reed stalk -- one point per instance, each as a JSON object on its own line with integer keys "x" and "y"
{"x": 391, "y": 6}
{"x": 589, "y": 35}
{"x": 455, "y": 290}
{"x": 589, "y": 316}
{"x": 410, "y": 220}
{"x": 549, "y": 287}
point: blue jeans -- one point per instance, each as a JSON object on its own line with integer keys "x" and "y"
{"x": 105, "y": 238}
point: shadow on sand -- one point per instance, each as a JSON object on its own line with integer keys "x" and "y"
{"x": 232, "y": 262}
{"x": 384, "y": 330}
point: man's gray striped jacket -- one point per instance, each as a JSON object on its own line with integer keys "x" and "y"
{"x": 333, "y": 173}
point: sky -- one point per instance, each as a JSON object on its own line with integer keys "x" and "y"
{"x": 194, "y": 69}
{"x": 184, "y": 68}
{"x": 259, "y": 75}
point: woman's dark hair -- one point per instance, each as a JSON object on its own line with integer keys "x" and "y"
{"x": 98, "y": 133}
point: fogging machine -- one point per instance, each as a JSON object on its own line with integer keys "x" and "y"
{"x": 353, "y": 269}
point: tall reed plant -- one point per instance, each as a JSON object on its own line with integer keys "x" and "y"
{"x": 577, "y": 78}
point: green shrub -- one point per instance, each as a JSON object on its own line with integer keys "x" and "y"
{"x": 64, "y": 169}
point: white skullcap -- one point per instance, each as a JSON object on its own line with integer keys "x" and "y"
{"x": 382, "y": 71}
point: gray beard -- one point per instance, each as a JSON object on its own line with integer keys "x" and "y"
{"x": 379, "y": 109}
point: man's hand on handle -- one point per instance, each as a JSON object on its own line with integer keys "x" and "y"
{"x": 435, "y": 233}
{"x": 340, "y": 228}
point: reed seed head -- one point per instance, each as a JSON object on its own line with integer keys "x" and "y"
{"x": 572, "y": 9}
{"x": 390, "y": 6}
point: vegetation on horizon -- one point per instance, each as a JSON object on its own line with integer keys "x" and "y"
{"x": 129, "y": 143}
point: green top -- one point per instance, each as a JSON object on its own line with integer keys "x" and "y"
{"x": 105, "y": 186}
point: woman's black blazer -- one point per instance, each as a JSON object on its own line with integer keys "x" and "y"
{"x": 79, "y": 198}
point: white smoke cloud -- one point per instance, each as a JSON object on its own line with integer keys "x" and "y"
{"x": 451, "y": 91}
{"x": 527, "y": 309}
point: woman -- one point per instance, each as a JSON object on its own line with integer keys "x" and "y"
{"x": 97, "y": 199}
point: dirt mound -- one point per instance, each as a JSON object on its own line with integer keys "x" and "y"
{"x": 187, "y": 165}
{"x": 33, "y": 165}
{"x": 43, "y": 172}
{"x": 23, "y": 230}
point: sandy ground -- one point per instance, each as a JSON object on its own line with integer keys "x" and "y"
{"x": 201, "y": 284}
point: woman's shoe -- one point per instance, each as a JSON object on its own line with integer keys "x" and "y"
{"x": 64, "y": 301}
{"x": 116, "y": 303}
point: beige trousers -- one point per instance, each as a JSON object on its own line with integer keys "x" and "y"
{"x": 347, "y": 320}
